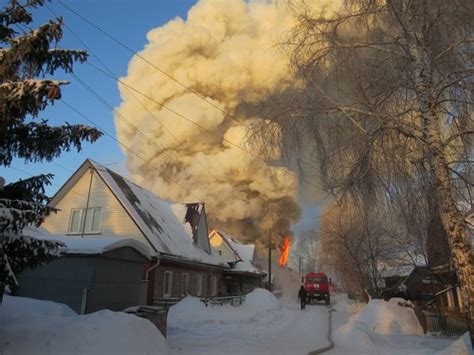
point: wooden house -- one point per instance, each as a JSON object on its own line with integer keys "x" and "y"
{"x": 96, "y": 202}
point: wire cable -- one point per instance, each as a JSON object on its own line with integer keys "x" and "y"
{"x": 202, "y": 97}
{"x": 135, "y": 128}
{"x": 116, "y": 78}
{"x": 124, "y": 146}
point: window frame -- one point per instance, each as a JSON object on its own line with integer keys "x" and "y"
{"x": 199, "y": 280}
{"x": 91, "y": 213}
{"x": 93, "y": 216}
{"x": 213, "y": 285}
{"x": 168, "y": 293}
{"x": 184, "y": 284}
{"x": 71, "y": 214}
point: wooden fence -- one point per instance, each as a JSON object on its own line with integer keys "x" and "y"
{"x": 234, "y": 300}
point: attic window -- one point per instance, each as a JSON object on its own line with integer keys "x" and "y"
{"x": 93, "y": 223}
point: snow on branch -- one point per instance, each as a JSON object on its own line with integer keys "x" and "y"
{"x": 21, "y": 98}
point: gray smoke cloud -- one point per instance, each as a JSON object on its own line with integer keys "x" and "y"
{"x": 225, "y": 49}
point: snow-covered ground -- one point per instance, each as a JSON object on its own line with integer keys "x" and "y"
{"x": 262, "y": 325}
{"x": 29, "y": 326}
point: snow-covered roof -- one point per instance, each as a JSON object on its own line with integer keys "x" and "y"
{"x": 88, "y": 245}
{"x": 244, "y": 253}
{"x": 170, "y": 228}
{"x": 247, "y": 266}
{"x": 403, "y": 266}
{"x": 400, "y": 270}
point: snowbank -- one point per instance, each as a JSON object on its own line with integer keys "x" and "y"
{"x": 259, "y": 304}
{"x": 261, "y": 299}
{"x": 389, "y": 318}
{"x": 30, "y": 326}
{"x": 462, "y": 346}
{"x": 344, "y": 305}
{"x": 17, "y": 308}
{"x": 379, "y": 317}
{"x": 188, "y": 308}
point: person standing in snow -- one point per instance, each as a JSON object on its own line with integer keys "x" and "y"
{"x": 302, "y": 295}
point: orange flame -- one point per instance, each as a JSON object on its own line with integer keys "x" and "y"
{"x": 285, "y": 250}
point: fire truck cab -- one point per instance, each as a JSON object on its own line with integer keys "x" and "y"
{"x": 317, "y": 287}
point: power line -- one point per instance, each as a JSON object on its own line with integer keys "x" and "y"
{"x": 191, "y": 121}
{"x": 110, "y": 107}
{"x": 55, "y": 184}
{"x": 162, "y": 105}
{"x": 202, "y": 97}
{"x": 115, "y": 77}
{"x": 132, "y": 126}
{"x": 162, "y": 71}
{"x": 63, "y": 167}
{"x": 123, "y": 145}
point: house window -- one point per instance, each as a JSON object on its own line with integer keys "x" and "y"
{"x": 184, "y": 285}
{"x": 75, "y": 221}
{"x": 198, "y": 285}
{"x": 168, "y": 284}
{"x": 213, "y": 285}
{"x": 93, "y": 220}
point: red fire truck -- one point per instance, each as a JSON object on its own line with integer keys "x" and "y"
{"x": 317, "y": 287}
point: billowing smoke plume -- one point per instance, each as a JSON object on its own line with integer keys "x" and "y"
{"x": 227, "y": 51}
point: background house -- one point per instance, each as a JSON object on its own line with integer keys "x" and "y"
{"x": 244, "y": 275}
{"x": 96, "y": 202}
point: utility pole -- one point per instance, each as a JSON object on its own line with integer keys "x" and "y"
{"x": 270, "y": 286}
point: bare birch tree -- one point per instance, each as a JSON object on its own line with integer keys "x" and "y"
{"x": 307, "y": 252}
{"x": 386, "y": 99}
{"x": 356, "y": 241}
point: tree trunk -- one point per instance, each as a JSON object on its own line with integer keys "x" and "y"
{"x": 452, "y": 219}
{"x": 453, "y": 222}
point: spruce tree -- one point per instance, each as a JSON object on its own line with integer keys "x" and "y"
{"x": 27, "y": 58}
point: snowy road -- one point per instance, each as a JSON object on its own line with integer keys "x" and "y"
{"x": 284, "y": 329}
{"x": 264, "y": 325}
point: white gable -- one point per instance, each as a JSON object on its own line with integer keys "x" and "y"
{"x": 234, "y": 252}
{"x": 116, "y": 222}
{"x": 219, "y": 244}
